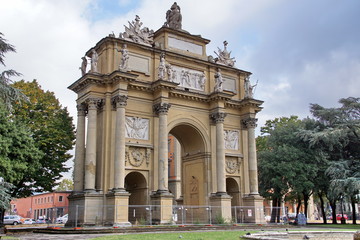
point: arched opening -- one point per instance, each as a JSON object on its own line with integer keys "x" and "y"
{"x": 233, "y": 189}
{"x": 187, "y": 165}
{"x": 135, "y": 184}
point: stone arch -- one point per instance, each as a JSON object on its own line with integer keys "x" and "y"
{"x": 194, "y": 125}
{"x": 136, "y": 185}
{"x": 233, "y": 189}
{"x": 193, "y": 160}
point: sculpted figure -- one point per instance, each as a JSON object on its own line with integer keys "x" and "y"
{"x": 94, "y": 61}
{"x": 83, "y": 66}
{"x": 136, "y": 34}
{"x": 202, "y": 79}
{"x": 124, "y": 58}
{"x": 249, "y": 89}
{"x": 218, "y": 81}
{"x": 170, "y": 72}
{"x": 224, "y": 56}
{"x": 162, "y": 67}
{"x": 173, "y": 17}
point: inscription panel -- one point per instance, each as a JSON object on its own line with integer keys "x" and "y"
{"x": 229, "y": 84}
{"x": 139, "y": 63}
{"x": 185, "y": 46}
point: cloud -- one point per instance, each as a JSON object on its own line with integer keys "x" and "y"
{"x": 301, "y": 52}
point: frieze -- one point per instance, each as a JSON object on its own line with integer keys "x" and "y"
{"x": 187, "y": 78}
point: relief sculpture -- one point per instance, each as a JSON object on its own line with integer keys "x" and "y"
{"x": 137, "y": 128}
{"x": 188, "y": 78}
{"x": 231, "y": 139}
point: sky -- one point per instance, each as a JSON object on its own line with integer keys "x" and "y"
{"x": 300, "y": 52}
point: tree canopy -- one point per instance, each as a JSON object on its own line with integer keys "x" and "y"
{"x": 287, "y": 166}
{"x": 51, "y": 128}
{"x": 8, "y": 94}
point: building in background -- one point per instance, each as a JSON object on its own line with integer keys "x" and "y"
{"x": 51, "y": 205}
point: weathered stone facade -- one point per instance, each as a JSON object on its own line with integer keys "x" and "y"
{"x": 167, "y": 87}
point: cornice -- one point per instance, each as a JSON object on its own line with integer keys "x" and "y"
{"x": 238, "y": 104}
{"x": 101, "y": 79}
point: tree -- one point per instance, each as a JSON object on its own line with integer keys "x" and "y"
{"x": 337, "y": 135}
{"x": 51, "y": 128}
{"x": 287, "y": 166}
{"x": 8, "y": 94}
{"x": 65, "y": 185}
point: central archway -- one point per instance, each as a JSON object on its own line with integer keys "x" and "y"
{"x": 187, "y": 166}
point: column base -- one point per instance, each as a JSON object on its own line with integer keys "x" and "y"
{"x": 221, "y": 207}
{"x": 254, "y": 213}
{"x": 85, "y": 209}
{"x": 117, "y": 211}
{"x": 162, "y": 210}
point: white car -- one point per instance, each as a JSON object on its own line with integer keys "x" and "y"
{"x": 62, "y": 219}
{"x": 29, "y": 221}
{"x": 12, "y": 219}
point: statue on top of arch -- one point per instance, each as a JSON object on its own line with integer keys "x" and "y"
{"x": 223, "y": 56}
{"x": 137, "y": 34}
{"x": 173, "y": 17}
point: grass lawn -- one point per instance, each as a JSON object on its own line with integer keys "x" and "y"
{"x": 216, "y": 235}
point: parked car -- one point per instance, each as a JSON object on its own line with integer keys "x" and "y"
{"x": 42, "y": 220}
{"x": 29, "y": 221}
{"x": 12, "y": 219}
{"x": 339, "y": 216}
{"x": 62, "y": 219}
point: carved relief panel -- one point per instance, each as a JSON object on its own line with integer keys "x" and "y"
{"x": 232, "y": 165}
{"x": 137, "y": 128}
{"x": 231, "y": 139}
{"x": 137, "y": 156}
{"x": 188, "y": 78}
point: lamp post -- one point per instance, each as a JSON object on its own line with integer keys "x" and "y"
{"x": 342, "y": 220}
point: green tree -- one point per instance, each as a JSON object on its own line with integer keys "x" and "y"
{"x": 65, "y": 185}
{"x": 52, "y": 129}
{"x": 337, "y": 135}
{"x": 287, "y": 166}
{"x": 8, "y": 94}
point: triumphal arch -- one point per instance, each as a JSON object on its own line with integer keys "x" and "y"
{"x": 162, "y": 124}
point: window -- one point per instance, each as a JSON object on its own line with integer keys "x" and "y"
{"x": 35, "y": 201}
{"x": 60, "y": 198}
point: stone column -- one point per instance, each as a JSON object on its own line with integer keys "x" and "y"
{"x": 90, "y": 155}
{"x": 218, "y": 119}
{"x": 250, "y": 124}
{"x": 162, "y": 109}
{"x": 119, "y": 158}
{"x": 80, "y": 149}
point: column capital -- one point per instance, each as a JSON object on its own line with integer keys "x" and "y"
{"x": 249, "y": 122}
{"x": 81, "y": 109}
{"x": 119, "y": 101}
{"x": 161, "y": 108}
{"x": 94, "y": 103}
{"x": 218, "y": 117}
